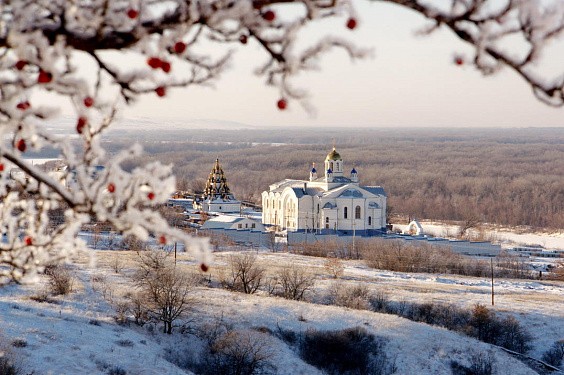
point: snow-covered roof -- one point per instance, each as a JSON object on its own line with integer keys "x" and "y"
{"x": 226, "y": 219}
{"x": 227, "y": 222}
{"x": 351, "y": 193}
{"x": 376, "y": 190}
{"x": 299, "y": 192}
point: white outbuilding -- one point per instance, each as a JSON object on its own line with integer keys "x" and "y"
{"x": 226, "y": 222}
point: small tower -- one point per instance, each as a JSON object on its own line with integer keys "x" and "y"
{"x": 217, "y": 196}
{"x": 216, "y": 186}
{"x": 334, "y": 162}
{"x": 329, "y": 175}
{"x": 313, "y": 173}
{"x": 354, "y": 175}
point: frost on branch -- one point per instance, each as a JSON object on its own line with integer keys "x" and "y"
{"x": 99, "y": 55}
{"x": 505, "y": 33}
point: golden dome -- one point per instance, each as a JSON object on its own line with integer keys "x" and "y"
{"x": 333, "y": 155}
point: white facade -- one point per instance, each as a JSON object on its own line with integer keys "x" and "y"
{"x": 234, "y": 223}
{"x": 329, "y": 204}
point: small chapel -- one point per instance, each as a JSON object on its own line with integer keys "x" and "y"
{"x": 217, "y": 196}
{"x": 328, "y": 204}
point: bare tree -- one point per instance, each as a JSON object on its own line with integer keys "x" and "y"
{"x": 245, "y": 274}
{"x": 470, "y": 222}
{"x": 165, "y": 290}
{"x": 335, "y": 267}
{"x": 295, "y": 281}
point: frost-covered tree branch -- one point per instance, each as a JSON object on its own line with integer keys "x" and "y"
{"x": 102, "y": 54}
{"x": 504, "y": 33}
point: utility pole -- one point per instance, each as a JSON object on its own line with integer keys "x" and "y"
{"x": 354, "y": 235}
{"x": 491, "y": 263}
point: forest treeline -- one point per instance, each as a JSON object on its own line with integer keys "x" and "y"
{"x": 501, "y": 176}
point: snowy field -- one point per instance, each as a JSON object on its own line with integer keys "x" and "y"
{"x": 506, "y": 236}
{"x": 78, "y": 333}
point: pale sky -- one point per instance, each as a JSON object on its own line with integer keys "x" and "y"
{"x": 411, "y": 81}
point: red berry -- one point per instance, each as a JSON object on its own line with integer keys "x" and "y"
{"x": 132, "y": 13}
{"x": 282, "y": 104}
{"x": 165, "y": 66}
{"x": 161, "y": 91}
{"x": 80, "y": 124}
{"x": 458, "y": 60}
{"x": 88, "y": 101}
{"x": 269, "y": 15}
{"x": 21, "y": 145}
{"x": 243, "y": 39}
{"x": 204, "y": 267}
{"x": 154, "y": 62}
{"x": 28, "y": 241}
{"x": 44, "y": 77}
{"x": 150, "y": 195}
{"x": 351, "y": 23}
{"x": 111, "y": 187}
{"x": 179, "y": 47}
{"x": 1, "y": 167}
{"x": 162, "y": 240}
{"x": 20, "y": 64}
{"x": 23, "y": 105}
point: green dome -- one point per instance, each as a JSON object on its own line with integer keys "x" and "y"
{"x": 333, "y": 155}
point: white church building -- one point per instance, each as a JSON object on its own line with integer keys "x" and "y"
{"x": 330, "y": 204}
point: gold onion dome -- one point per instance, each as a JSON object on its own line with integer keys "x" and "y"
{"x": 333, "y": 155}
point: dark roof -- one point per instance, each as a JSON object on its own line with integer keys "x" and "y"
{"x": 351, "y": 193}
{"x": 376, "y": 190}
{"x": 309, "y": 191}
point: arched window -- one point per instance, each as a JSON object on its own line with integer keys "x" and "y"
{"x": 327, "y": 219}
{"x": 357, "y": 212}
{"x": 318, "y": 208}
{"x": 369, "y": 220}
{"x": 346, "y": 213}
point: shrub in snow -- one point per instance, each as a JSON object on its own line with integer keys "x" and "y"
{"x": 117, "y": 370}
{"x": 237, "y": 352}
{"x": 133, "y": 243}
{"x": 244, "y": 273}
{"x": 480, "y": 364}
{"x": 19, "y": 343}
{"x": 486, "y": 326}
{"x": 555, "y": 355}
{"x": 352, "y": 296}
{"x": 335, "y": 267}
{"x": 380, "y": 301}
{"x": 117, "y": 263}
{"x": 7, "y": 367}
{"x": 60, "y": 279}
{"x": 347, "y": 351}
{"x": 294, "y": 282}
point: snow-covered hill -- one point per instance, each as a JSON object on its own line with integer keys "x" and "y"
{"x": 77, "y": 333}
